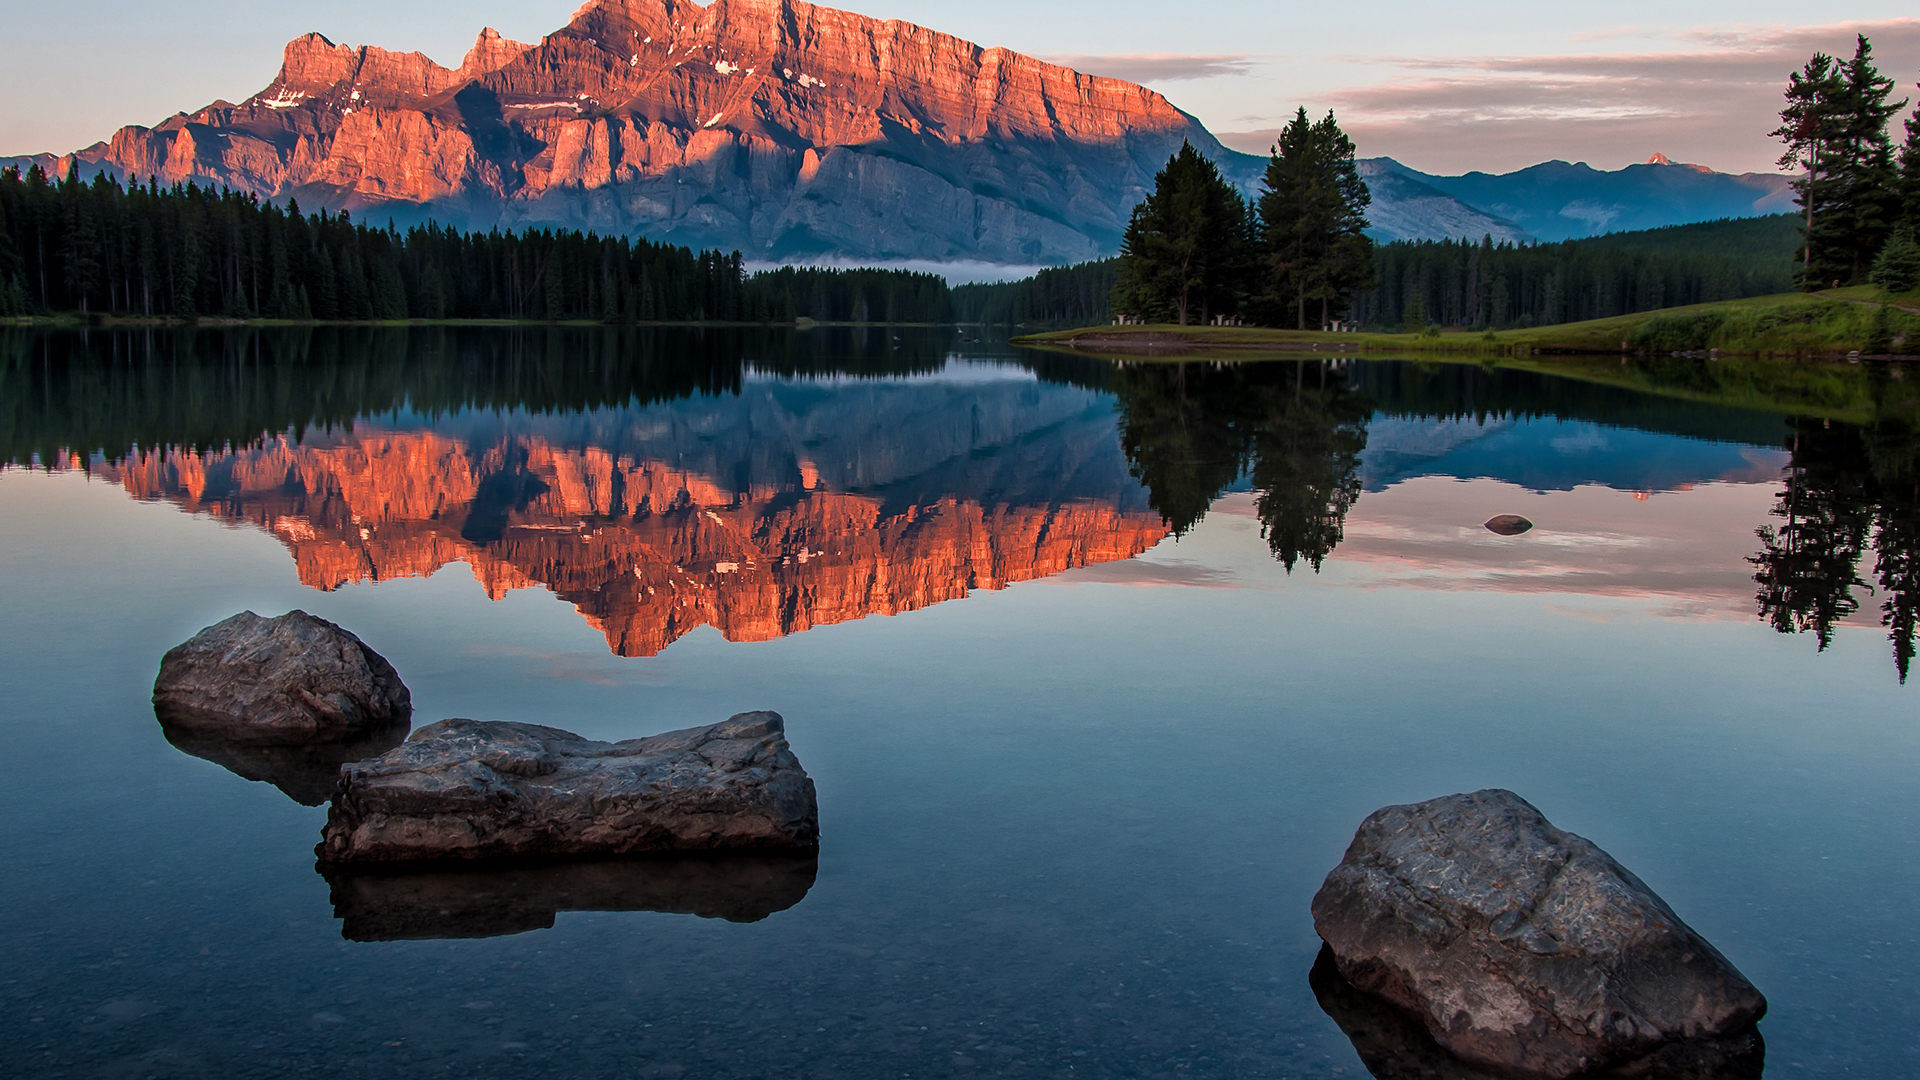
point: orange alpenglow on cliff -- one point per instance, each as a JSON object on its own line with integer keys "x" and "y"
{"x": 772, "y": 126}
{"x": 646, "y": 552}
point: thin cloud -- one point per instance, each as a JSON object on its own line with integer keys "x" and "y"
{"x": 1712, "y": 100}
{"x": 1156, "y": 67}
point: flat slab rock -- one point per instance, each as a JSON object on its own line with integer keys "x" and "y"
{"x": 467, "y": 789}
{"x": 1522, "y": 947}
{"x": 293, "y": 678}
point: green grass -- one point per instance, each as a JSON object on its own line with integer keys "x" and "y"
{"x": 1833, "y": 323}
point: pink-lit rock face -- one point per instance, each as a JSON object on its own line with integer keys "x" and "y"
{"x": 645, "y": 551}
{"x": 772, "y": 126}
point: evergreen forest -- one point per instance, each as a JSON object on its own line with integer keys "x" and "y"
{"x": 187, "y": 252}
{"x": 1466, "y": 284}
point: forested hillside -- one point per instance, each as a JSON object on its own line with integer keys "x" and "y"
{"x": 1078, "y": 295}
{"x": 1461, "y": 283}
{"x": 187, "y": 252}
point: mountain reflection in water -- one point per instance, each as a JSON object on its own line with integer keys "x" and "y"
{"x": 765, "y": 481}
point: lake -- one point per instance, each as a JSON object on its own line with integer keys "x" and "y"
{"x": 1096, "y": 666}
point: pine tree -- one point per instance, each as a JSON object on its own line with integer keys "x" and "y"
{"x": 1185, "y": 249}
{"x": 1312, "y": 220}
{"x": 1835, "y": 130}
{"x": 1908, "y": 194}
{"x": 1810, "y": 128}
{"x": 1870, "y": 178}
{"x": 1897, "y": 268}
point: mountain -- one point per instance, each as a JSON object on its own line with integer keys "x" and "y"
{"x": 1405, "y": 208}
{"x": 1558, "y": 201}
{"x": 776, "y": 127}
{"x": 794, "y": 132}
{"x": 773, "y": 126}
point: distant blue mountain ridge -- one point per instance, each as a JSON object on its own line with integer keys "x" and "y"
{"x": 1556, "y": 200}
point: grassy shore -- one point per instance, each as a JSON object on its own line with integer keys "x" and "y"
{"x": 1827, "y": 324}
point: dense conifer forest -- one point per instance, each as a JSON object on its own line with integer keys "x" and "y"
{"x": 1077, "y": 295}
{"x": 1462, "y": 283}
{"x": 187, "y": 252}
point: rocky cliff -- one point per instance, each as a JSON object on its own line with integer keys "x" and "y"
{"x": 773, "y": 126}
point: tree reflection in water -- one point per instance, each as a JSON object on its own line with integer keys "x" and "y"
{"x": 1847, "y": 486}
{"x": 1294, "y": 431}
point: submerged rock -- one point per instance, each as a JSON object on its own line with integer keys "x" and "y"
{"x": 306, "y": 771}
{"x": 469, "y": 902}
{"x": 466, "y": 789}
{"x": 1522, "y": 947}
{"x": 1508, "y": 524}
{"x": 1393, "y": 1043}
{"x": 287, "y": 679}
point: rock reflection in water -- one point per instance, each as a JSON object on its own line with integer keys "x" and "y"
{"x": 306, "y": 772}
{"x": 1394, "y": 1044}
{"x": 465, "y": 902}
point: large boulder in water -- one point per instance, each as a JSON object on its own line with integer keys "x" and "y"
{"x": 289, "y": 679}
{"x": 1522, "y": 947}
{"x": 466, "y": 789}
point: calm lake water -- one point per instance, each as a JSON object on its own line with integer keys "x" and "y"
{"x": 1096, "y": 668}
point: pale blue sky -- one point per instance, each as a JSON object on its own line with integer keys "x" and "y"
{"x": 1444, "y": 87}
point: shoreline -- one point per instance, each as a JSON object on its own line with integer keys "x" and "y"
{"x": 1620, "y": 335}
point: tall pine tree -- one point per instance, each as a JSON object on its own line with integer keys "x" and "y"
{"x": 1312, "y": 212}
{"x": 1185, "y": 250}
{"x": 1835, "y": 130}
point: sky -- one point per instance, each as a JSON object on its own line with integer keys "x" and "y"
{"x": 1445, "y": 88}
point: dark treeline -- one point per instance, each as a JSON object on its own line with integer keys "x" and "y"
{"x": 1458, "y": 283}
{"x": 111, "y": 392}
{"x": 1467, "y": 284}
{"x": 1077, "y": 295}
{"x": 789, "y": 293}
{"x": 186, "y": 252}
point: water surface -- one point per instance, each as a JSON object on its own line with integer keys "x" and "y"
{"x": 1096, "y": 669}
